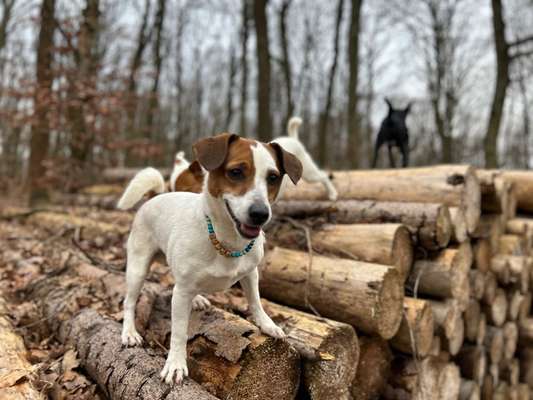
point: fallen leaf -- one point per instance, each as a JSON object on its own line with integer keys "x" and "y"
{"x": 70, "y": 361}
{"x": 13, "y": 376}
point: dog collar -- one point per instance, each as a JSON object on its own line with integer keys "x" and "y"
{"x": 220, "y": 248}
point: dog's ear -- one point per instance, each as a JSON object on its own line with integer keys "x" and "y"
{"x": 408, "y": 108}
{"x": 290, "y": 164}
{"x": 389, "y": 104}
{"x": 196, "y": 169}
{"x": 212, "y": 151}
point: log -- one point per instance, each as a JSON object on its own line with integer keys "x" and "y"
{"x": 526, "y": 365}
{"x": 329, "y": 349}
{"x": 487, "y": 388}
{"x": 121, "y": 372}
{"x": 430, "y": 378}
{"x": 514, "y": 299}
{"x": 482, "y": 330}
{"x": 449, "y": 324}
{"x": 469, "y": 390}
{"x": 435, "y": 347}
{"x": 16, "y": 372}
{"x": 229, "y": 355}
{"x": 367, "y": 296}
{"x": 482, "y": 254}
{"x": 453, "y": 185}
{"x": 519, "y": 271}
{"x": 525, "y": 331}
{"x": 510, "y": 371}
{"x": 502, "y": 391}
{"x": 460, "y": 229}
{"x": 494, "y": 343}
{"x": 373, "y": 370}
{"x": 477, "y": 283}
{"x": 416, "y": 329}
{"x": 472, "y": 362}
{"x": 121, "y": 174}
{"x": 429, "y": 223}
{"x": 472, "y": 319}
{"x": 490, "y": 227}
{"x": 444, "y": 276}
{"x": 522, "y": 188}
{"x": 519, "y": 226}
{"x": 523, "y": 391}
{"x": 491, "y": 284}
{"x": 386, "y": 244}
{"x": 496, "y": 311}
{"x": 512, "y": 245}
{"x": 525, "y": 307}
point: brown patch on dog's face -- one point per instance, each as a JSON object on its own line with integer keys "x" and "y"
{"x": 275, "y": 178}
{"x": 191, "y": 179}
{"x": 237, "y": 173}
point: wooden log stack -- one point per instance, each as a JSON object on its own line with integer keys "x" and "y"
{"x": 431, "y": 266}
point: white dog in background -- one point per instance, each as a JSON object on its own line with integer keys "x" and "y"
{"x": 311, "y": 172}
{"x": 211, "y": 239}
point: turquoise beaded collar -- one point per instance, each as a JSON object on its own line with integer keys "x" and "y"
{"x": 221, "y": 249}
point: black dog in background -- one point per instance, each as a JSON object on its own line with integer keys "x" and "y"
{"x": 394, "y": 132}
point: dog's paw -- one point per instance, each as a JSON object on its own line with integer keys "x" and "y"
{"x": 174, "y": 371}
{"x": 200, "y": 303}
{"x": 268, "y": 327}
{"x": 130, "y": 337}
{"x": 333, "y": 195}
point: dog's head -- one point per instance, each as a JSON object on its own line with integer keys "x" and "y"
{"x": 397, "y": 117}
{"x": 246, "y": 176}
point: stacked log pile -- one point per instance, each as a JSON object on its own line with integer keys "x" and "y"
{"x": 457, "y": 324}
{"x": 414, "y": 284}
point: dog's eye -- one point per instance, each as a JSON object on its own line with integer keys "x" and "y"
{"x": 235, "y": 174}
{"x": 272, "y": 178}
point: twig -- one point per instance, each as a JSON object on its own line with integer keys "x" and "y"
{"x": 309, "y": 244}
{"x": 96, "y": 261}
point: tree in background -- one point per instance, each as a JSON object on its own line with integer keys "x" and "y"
{"x": 264, "y": 118}
{"x": 506, "y": 53}
{"x": 40, "y": 128}
{"x": 286, "y": 61}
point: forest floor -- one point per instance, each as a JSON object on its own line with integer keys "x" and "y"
{"x": 61, "y": 243}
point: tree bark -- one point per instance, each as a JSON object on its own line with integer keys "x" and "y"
{"x": 367, "y": 296}
{"x": 522, "y": 187}
{"x": 469, "y": 390}
{"x": 496, "y": 311}
{"x": 500, "y": 90}
{"x": 415, "y": 334}
{"x": 472, "y": 320}
{"x": 460, "y": 230}
{"x": 477, "y": 284}
{"x": 430, "y": 224}
{"x": 494, "y": 344}
{"x": 473, "y": 362}
{"x": 329, "y": 349}
{"x": 373, "y": 370}
{"x": 454, "y": 186}
{"x": 353, "y": 152}
{"x": 482, "y": 255}
{"x": 264, "y": 118}
{"x": 387, "y": 244}
{"x": 449, "y": 325}
{"x": 325, "y": 114}
{"x": 445, "y": 276}
{"x": 40, "y": 129}
{"x": 245, "y": 22}
{"x": 286, "y": 61}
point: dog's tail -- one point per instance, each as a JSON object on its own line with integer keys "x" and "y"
{"x": 293, "y": 126}
{"x": 146, "y": 180}
{"x": 180, "y": 157}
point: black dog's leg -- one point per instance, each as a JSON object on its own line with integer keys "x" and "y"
{"x": 404, "y": 148}
{"x": 379, "y": 143}
{"x": 391, "y": 157}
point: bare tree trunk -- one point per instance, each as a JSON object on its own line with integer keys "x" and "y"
{"x": 40, "y": 129}
{"x": 178, "y": 141}
{"x": 153, "y": 105}
{"x": 143, "y": 38}
{"x": 324, "y": 117}
{"x": 7, "y": 6}
{"x": 231, "y": 87}
{"x": 245, "y": 18}
{"x": 286, "y": 63}
{"x": 354, "y": 140}
{"x": 264, "y": 119}
{"x": 83, "y": 83}
{"x": 500, "y": 90}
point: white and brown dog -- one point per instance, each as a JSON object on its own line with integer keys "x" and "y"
{"x": 189, "y": 177}
{"x": 212, "y": 239}
{"x": 311, "y": 172}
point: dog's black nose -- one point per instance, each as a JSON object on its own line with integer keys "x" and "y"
{"x": 258, "y": 213}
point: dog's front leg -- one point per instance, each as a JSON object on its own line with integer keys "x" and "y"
{"x": 175, "y": 368}
{"x": 250, "y": 285}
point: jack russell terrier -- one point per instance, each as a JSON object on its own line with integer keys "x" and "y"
{"x": 211, "y": 239}
{"x": 189, "y": 177}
